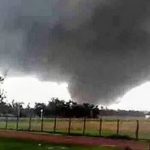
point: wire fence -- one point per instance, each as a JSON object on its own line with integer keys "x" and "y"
{"x": 137, "y": 129}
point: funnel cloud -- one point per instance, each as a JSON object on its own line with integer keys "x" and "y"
{"x": 100, "y": 48}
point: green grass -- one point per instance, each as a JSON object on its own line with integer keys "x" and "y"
{"x": 11, "y": 144}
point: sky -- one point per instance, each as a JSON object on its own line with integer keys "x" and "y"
{"x": 100, "y": 48}
{"x": 137, "y": 98}
{"x": 30, "y": 90}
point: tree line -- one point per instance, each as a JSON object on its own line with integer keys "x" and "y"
{"x": 61, "y": 108}
{"x": 55, "y": 107}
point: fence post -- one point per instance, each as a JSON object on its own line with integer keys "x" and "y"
{"x": 69, "y": 126}
{"x": 30, "y": 123}
{"x": 6, "y": 119}
{"x": 42, "y": 123}
{"x": 84, "y": 125}
{"x": 55, "y": 119}
{"x": 137, "y": 130}
{"x": 118, "y": 121}
{"x": 17, "y": 122}
{"x": 100, "y": 126}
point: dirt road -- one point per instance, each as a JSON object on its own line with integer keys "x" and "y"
{"x": 74, "y": 140}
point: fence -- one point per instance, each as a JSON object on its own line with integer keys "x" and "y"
{"x": 138, "y": 129}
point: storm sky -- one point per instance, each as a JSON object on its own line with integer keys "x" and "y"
{"x": 100, "y": 48}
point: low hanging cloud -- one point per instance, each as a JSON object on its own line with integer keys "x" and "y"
{"x": 99, "y": 47}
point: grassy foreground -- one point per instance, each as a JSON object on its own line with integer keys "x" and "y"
{"x": 11, "y": 144}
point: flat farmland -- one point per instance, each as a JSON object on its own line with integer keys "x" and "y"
{"x": 93, "y": 127}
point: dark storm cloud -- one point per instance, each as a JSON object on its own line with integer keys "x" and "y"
{"x": 100, "y": 47}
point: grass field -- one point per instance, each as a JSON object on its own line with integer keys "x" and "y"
{"x": 9, "y": 144}
{"x": 92, "y": 127}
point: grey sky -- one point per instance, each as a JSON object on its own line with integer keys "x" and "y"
{"x": 100, "y": 48}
